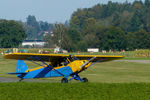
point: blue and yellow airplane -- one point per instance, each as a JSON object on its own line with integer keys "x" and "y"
{"x": 56, "y": 65}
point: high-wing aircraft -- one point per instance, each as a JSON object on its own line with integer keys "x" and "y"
{"x": 56, "y": 65}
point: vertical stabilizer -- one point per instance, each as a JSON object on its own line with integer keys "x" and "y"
{"x": 21, "y": 66}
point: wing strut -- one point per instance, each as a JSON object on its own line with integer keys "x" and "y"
{"x": 49, "y": 65}
{"x": 97, "y": 62}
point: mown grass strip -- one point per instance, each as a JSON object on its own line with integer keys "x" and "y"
{"x": 76, "y": 91}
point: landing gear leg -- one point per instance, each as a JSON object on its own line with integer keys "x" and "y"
{"x": 77, "y": 77}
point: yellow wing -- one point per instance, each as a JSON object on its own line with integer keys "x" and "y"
{"x": 57, "y": 57}
{"x": 102, "y": 58}
{"x": 36, "y": 57}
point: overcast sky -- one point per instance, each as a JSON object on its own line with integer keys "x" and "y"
{"x": 45, "y": 10}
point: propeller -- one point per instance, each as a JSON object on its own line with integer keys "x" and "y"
{"x": 87, "y": 62}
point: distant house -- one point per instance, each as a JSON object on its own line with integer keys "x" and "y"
{"x": 93, "y": 50}
{"x": 33, "y": 43}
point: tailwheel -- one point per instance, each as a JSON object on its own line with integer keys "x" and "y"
{"x": 20, "y": 79}
{"x": 64, "y": 80}
{"x": 85, "y": 80}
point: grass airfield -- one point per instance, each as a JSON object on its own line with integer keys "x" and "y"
{"x": 76, "y": 91}
{"x": 115, "y": 80}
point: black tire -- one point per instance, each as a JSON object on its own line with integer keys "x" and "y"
{"x": 85, "y": 80}
{"x": 64, "y": 80}
{"x": 20, "y": 79}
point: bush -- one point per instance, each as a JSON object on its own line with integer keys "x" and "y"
{"x": 142, "y": 53}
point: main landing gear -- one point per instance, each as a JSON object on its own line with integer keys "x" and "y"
{"x": 84, "y": 80}
{"x": 20, "y": 79}
{"x": 75, "y": 77}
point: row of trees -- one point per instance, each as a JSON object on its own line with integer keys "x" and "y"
{"x": 11, "y": 34}
{"x": 106, "y": 26}
{"x": 36, "y": 29}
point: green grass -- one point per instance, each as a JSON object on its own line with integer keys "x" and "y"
{"x": 120, "y": 72}
{"x": 76, "y": 91}
{"x": 136, "y": 58}
{"x": 107, "y": 81}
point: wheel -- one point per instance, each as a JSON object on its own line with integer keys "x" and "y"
{"x": 85, "y": 80}
{"x": 64, "y": 80}
{"x": 20, "y": 79}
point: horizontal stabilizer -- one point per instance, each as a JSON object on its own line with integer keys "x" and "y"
{"x": 18, "y": 73}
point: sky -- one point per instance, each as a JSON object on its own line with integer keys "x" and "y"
{"x": 45, "y": 10}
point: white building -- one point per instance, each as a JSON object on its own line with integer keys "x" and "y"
{"x": 33, "y": 43}
{"x": 93, "y": 50}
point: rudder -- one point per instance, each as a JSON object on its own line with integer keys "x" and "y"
{"x": 21, "y": 66}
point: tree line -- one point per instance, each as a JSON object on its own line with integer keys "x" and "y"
{"x": 12, "y": 33}
{"x": 114, "y": 25}
{"x": 35, "y": 30}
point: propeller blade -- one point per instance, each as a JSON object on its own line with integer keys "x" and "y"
{"x": 87, "y": 62}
